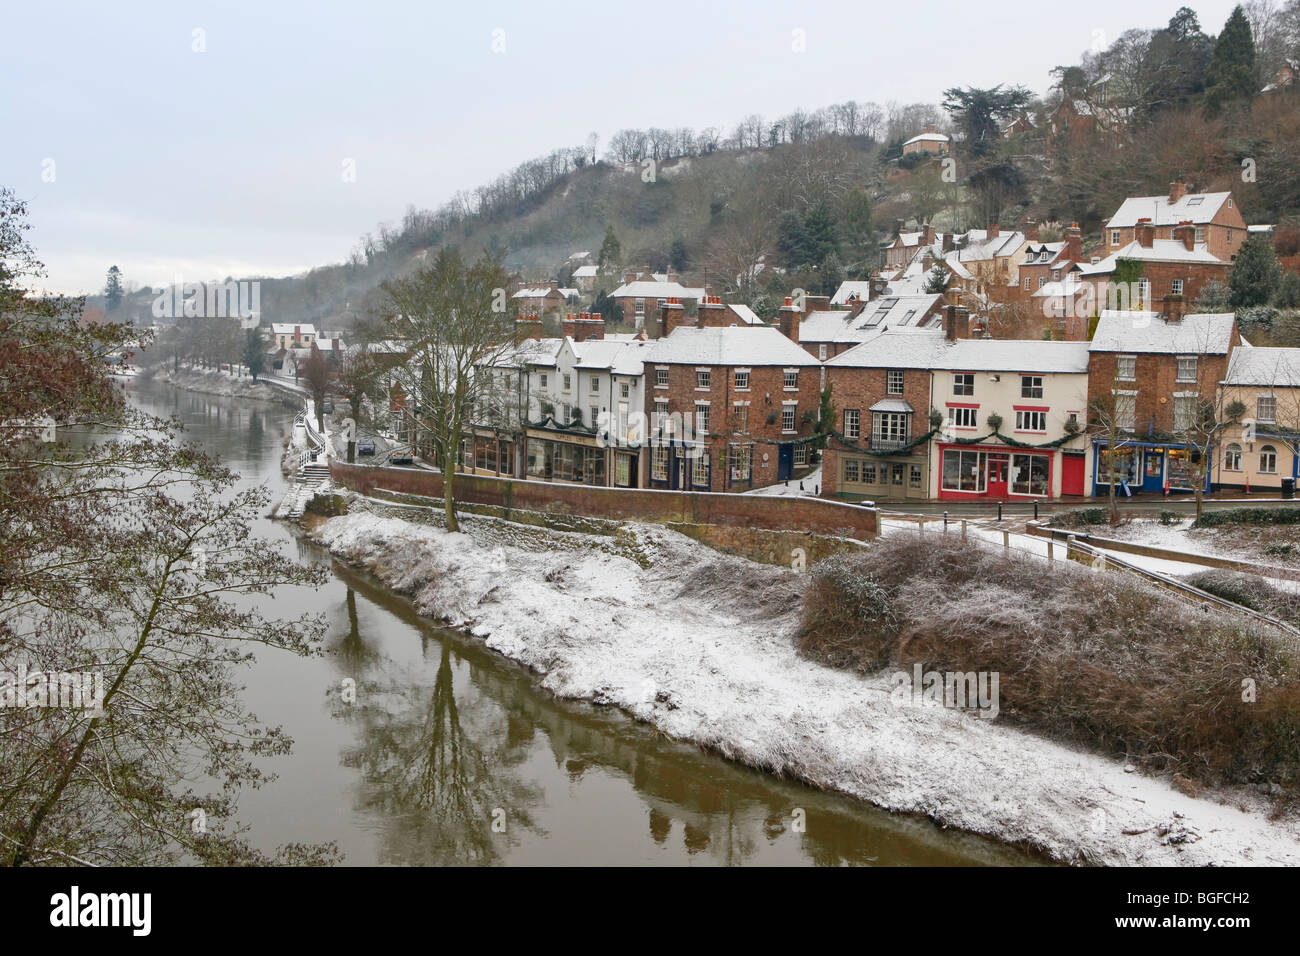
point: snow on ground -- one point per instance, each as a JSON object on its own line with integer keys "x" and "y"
{"x": 699, "y": 644}
{"x": 812, "y": 484}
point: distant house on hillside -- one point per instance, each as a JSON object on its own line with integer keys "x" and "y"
{"x": 288, "y": 335}
{"x": 539, "y": 300}
{"x": 584, "y": 277}
{"x": 928, "y": 142}
{"x": 1215, "y": 216}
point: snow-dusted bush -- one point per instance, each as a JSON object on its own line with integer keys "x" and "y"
{"x": 1096, "y": 658}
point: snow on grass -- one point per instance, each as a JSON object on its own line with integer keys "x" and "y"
{"x": 700, "y": 645}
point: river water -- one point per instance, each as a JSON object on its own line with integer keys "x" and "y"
{"x": 452, "y": 755}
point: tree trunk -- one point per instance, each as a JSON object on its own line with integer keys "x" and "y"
{"x": 352, "y": 452}
{"x": 448, "y": 486}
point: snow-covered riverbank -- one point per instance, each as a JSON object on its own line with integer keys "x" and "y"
{"x": 212, "y": 382}
{"x": 699, "y": 644}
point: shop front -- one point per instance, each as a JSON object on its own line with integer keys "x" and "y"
{"x": 874, "y": 476}
{"x": 485, "y": 453}
{"x": 562, "y": 456}
{"x": 982, "y": 471}
{"x": 1143, "y": 467}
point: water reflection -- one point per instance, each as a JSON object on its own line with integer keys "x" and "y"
{"x": 451, "y": 754}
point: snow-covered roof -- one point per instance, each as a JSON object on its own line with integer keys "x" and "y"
{"x": 1160, "y": 250}
{"x": 927, "y": 138}
{"x": 1003, "y": 244}
{"x": 930, "y": 349}
{"x": 746, "y": 314}
{"x": 1068, "y": 287}
{"x": 1266, "y": 367}
{"x": 288, "y": 328}
{"x": 620, "y": 356}
{"x": 861, "y": 289}
{"x": 646, "y": 289}
{"x": 543, "y": 292}
{"x": 586, "y": 272}
{"x": 1192, "y": 207}
{"x": 1204, "y": 333}
{"x": 886, "y": 311}
{"x": 729, "y": 345}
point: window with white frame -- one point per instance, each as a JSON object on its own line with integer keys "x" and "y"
{"x": 964, "y": 417}
{"x": 894, "y": 381}
{"x": 1031, "y": 386}
{"x": 963, "y": 383}
{"x": 851, "y": 472}
{"x": 661, "y": 377}
{"x": 1176, "y": 287}
{"x": 1200, "y": 234}
{"x": 1232, "y": 457}
{"x": 542, "y": 379}
{"x": 640, "y": 306}
{"x": 595, "y": 385}
{"x": 568, "y": 381}
{"x": 790, "y": 379}
{"x": 702, "y": 418}
{"x": 741, "y": 414}
{"x": 1031, "y": 420}
{"x": 1126, "y": 367}
{"x": 1114, "y": 237}
{"x": 1268, "y": 460}
{"x": 1266, "y": 408}
{"x": 624, "y": 390}
{"x": 595, "y": 416}
{"x": 890, "y": 428}
{"x": 1026, "y": 283}
{"x": 1144, "y": 290}
{"x": 852, "y": 423}
{"x": 787, "y": 418}
{"x": 1186, "y": 368}
{"x": 1126, "y": 410}
{"x": 821, "y": 352}
{"x": 801, "y": 454}
{"x": 661, "y": 412}
{"x": 703, "y": 378}
{"x": 659, "y": 463}
{"x": 700, "y": 471}
{"x": 1184, "y": 412}
{"x": 742, "y": 379}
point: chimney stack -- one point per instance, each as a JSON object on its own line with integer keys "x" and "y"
{"x": 898, "y": 226}
{"x": 856, "y": 304}
{"x": 927, "y": 234}
{"x": 948, "y": 242}
{"x": 1074, "y": 243}
{"x": 528, "y": 327}
{"x": 877, "y": 287}
{"x": 671, "y": 317}
{"x": 1031, "y": 230}
{"x": 815, "y": 303}
{"x": 1175, "y": 308}
{"x": 628, "y": 276}
{"x": 712, "y": 313}
{"x": 1185, "y": 232}
{"x": 995, "y": 229}
{"x": 788, "y": 320}
{"x": 1146, "y": 233}
{"x": 587, "y": 326}
{"x": 1177, "y": 190}
{"x": 956, "y": 322}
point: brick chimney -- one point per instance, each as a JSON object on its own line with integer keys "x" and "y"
{"x": 1031, "y": 230}
{"x": 528, "y": 327}
{"x": 898, "y": 226}
{"x": 1177, "y": 190}
{"x": 1074, "y": 243}
{"x": 1175, "y": 308}
{"x": 956, "y": 322}
{"x": 712, "y": 313}
{"x": 788, "y": 320}
{"x": 1145, "y": 232}
{"x": 877, "y": 287}
{"x": 569, "y": 326}
{"x": 856, "y": 304}
{"x": 815, "y": 303}
{"x": 671, "y": 317}
{"x": 1185, "y": 232}
{"x": 995, "y": 230}
{"x": 628, "y": 276}
{"x": 949, "y": 242}
{"x": 587, "y": 326}
{"x": 927, "y": 234}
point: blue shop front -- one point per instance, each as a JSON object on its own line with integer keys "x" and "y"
{"x": 1143, "y": 468}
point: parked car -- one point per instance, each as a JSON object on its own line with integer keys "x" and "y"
{"x": 329, "y": 407}
{"x": 403, "y": 456}
{"x": 366, "y": 446}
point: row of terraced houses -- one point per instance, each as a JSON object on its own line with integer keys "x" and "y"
{"x": 923, "y": 404}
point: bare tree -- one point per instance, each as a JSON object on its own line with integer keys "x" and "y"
{"x": 453, "y": 315}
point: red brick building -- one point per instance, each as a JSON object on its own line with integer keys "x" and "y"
{"x": 729, "y": 409}
{"x": 1214, "y": 217}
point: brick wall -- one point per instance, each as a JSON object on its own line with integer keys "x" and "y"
{"x": 765, "y": 395}
{"x": 742, "y": 511}
{"x": 1155, "y": 379}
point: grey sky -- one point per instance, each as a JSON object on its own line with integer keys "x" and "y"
{"x": 168, "y": 161}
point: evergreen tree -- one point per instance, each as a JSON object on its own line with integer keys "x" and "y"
{"x": 1231, "y": 74}
{"x": 937, "y": 280}
{"x": 1255, "y": 275}
{"x": 1288, "y": 291}
{"x": 255, "y": 352}
{"x": 611, "y": 252}
{"x": 791, "y": 241}
{"x": 821, "y": 234}
{"x": 678, "y": 257}
{"x": 113, "y": 290}
{"x": 1173, "y": 68}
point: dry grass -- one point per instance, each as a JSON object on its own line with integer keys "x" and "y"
{"x": 1097, "y": 659}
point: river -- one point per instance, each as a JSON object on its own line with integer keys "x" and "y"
{"x": 452, "y": 754}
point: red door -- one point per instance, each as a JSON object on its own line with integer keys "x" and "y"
{"x": 1072, "y": 467}
{"x": 997, "y": 483}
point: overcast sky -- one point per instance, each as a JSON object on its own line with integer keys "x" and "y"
{"x": 132, "y": 148}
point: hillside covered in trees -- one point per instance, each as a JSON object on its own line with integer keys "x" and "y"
{"x": 814, "y": 193}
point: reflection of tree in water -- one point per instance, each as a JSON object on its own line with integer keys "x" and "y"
{"x": 353, "y": 653}
{"x": 442, "y": 774}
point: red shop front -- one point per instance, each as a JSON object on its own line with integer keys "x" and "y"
{"x": 994, "y": 471}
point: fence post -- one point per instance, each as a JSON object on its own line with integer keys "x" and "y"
{"x": 999, "y": 511}
{"x": 963, "y": 529}
{"x": 1049, "y": 551}
{"x": 1006, "y": 539}
{"x": 945, "y": 521}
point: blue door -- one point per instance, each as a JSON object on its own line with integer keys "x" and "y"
{"x": 784, "y": 462}
{"x": 1153, "y": 471}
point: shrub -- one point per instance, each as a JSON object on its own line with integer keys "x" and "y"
{"x": 1249, "y": 516}
{"x": 1170, "y": 517}
{"x": 1099, "y": 659}
{"x": 1082, "y": 518}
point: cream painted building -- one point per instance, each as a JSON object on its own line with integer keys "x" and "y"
{"x": 1262, "y": 452}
